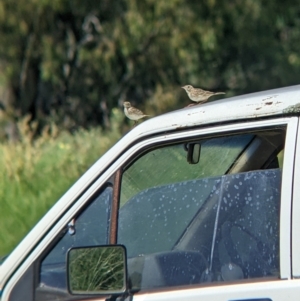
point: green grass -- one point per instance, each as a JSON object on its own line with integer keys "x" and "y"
{"x": 35, "y": 173}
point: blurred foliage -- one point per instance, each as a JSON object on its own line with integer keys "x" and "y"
{"x": 35, "y": 172}
{"x": 71, "y": 62}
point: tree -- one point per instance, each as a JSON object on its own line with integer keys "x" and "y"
{"x": 74, "y": 61}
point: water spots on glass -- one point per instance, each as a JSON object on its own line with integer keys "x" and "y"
{"x": 174, "y": 216}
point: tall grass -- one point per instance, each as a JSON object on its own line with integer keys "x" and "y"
{"x": 34, "y": 173}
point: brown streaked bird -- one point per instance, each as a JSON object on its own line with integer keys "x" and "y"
{"x": 198, "y": 95}
{"x": 133, "y": 113}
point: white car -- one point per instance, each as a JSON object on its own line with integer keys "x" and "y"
{"x": 202, "y": 203}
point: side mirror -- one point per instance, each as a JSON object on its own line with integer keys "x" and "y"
{"x": 97, "y": 270}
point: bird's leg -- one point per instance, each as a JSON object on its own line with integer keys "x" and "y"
{"x": 191, "y": 104}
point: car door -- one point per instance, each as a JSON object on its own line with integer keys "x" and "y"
{"x": 203, "y": 213}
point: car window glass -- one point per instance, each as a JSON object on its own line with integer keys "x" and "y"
{"x": 213, "y": 221}
{"x": 153, "y": 169}
{"x": 90, "y": 228}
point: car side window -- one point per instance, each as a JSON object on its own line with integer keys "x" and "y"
{"x": 90, "y": 228}
{"x": 214, "y": 219}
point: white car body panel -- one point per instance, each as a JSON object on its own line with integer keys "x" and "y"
{"x": 276, "y": 291}
{"x": 296, "y": 212}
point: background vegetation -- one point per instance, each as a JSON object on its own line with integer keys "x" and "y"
{"x": 35, "y": 173}
{"x": 66, "y": 66}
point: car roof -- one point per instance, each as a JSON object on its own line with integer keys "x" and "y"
{"x": 277, "y": 102}
{"x": 282, "y": 101}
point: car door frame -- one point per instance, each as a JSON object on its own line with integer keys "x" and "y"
{"x": 296, "y": 212}
{"x": 256, "y": 289}
{"x": 287, "y": 176}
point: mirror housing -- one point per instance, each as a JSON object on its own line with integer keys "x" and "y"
{"x": 97, "y": 270}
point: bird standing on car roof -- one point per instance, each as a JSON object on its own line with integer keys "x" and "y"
{"x": 198, "y": 95}
{"x": 133, "y": 113}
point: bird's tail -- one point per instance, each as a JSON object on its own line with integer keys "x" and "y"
{"x": 218, "y": 93}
